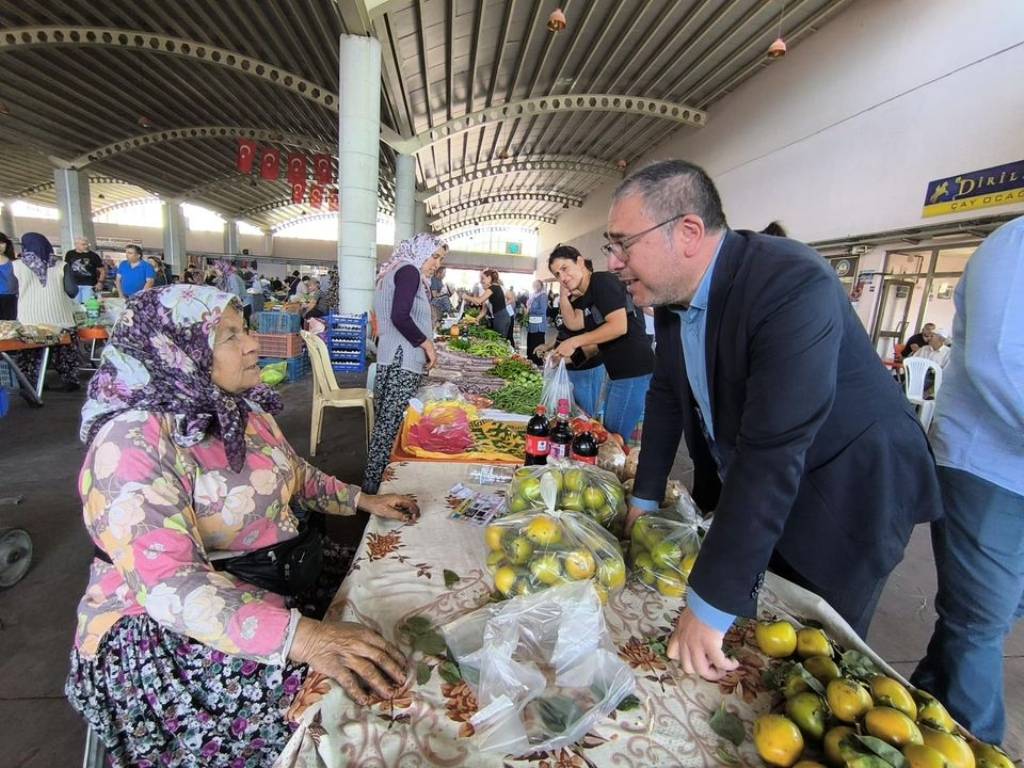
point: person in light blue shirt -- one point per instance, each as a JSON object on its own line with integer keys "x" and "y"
{"x": 134, "y": 274}
{"x": 978, "y": 439}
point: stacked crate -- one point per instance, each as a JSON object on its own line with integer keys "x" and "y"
{"x": 277, "y": 334}
{"x": 346, "y": 342}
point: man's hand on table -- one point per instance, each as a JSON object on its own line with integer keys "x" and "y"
{"x": 698, "y": 648}
{"x": 392, "y": 506}
{"x": 360, "y": 660}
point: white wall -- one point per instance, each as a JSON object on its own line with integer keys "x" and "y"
{"x": 842, "y": 136}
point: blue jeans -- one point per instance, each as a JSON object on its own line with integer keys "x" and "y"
{"x": 979, "y": 559}
{"x": 624, "y": 405}
{"x": 586, "y": 388}
{"x": 85, "y": 292}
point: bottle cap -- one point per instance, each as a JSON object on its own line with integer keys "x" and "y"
{"x": 563, "y": 406}
{"x": 541, "y": 409}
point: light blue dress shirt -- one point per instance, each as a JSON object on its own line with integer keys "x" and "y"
{"x": 693, "y": 323}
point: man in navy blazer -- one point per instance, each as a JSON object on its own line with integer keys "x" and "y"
{"x": 802, "y": 443}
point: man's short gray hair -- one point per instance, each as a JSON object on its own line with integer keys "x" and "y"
{"x": 673, "y": 187}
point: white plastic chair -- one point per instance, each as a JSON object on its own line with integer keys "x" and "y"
{"x": 915, "y": 372}
{"x": 327, "y": 393}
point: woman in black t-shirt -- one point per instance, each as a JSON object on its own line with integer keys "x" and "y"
{"x": 598, "y": 304}
{"x": 494, "y": 297}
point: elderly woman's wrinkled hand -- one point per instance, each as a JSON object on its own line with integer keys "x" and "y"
{"x": 393, "y": 506}
{"x": 360, "y": 660}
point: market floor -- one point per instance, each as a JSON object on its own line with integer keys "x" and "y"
{"x": 39, "y": 459}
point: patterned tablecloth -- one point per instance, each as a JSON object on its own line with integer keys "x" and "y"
{"x": 399, "y": 573}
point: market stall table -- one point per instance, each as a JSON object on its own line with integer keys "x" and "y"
{"x": 33, "y": 391}
{"x": 436, "y": 569}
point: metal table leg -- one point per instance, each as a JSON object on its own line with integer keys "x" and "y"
{"x": 34, "y": 395}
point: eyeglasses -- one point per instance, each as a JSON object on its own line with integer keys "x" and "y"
{"x": 619, "y": 248}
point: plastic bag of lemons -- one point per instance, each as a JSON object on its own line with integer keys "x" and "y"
{"x": 662, "y": 553}
{"x": 544, "y": 547}
{"x": 581, "y": 488}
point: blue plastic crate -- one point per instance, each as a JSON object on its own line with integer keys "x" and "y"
{"x": 5, "y": 402}
{"x": 298, "y": 367}
{"x": 277, "y": 322}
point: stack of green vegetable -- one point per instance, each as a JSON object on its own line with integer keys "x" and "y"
{"x": 521, "y": 394}
{"x": 489, "y": 348}
{"x": 511, "y": 368}
{"x": 479, "y": 332}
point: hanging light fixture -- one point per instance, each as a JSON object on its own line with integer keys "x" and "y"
{"x": 778, "y": 47}
{"x": 145, "y": 122}
{"x": 557, "y": 20}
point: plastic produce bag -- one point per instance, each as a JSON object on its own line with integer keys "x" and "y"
{"x": 274, "y": 374}
{"x": 663, "y": 552}
{"x": 531, "y": 551}
{"x": 543, "y": 669}
{"x": 557, "y": 386}
{"x": 583, "y": 488}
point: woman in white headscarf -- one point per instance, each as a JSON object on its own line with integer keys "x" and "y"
{"x": 405, "y": 347}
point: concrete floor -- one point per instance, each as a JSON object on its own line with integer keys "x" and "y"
{"x": 39, "y": 460}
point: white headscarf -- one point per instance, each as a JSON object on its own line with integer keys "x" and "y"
{"x": 415, "y": 251}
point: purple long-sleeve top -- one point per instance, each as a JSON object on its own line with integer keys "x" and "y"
{"x": 407, "y": 283}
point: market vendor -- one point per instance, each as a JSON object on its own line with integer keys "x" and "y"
{"x": 493, "y": 299}
{"x": 801, "y": 441}
{"x": 597, "y": 303}
{"x": 405, "y": 346}
{"x": 185, "y": 655}
{"x": 134, "y": 274}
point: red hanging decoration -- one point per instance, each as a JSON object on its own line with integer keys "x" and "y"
{"x": 323, "y": 169}
{"x": 245, "y": 155}
{"x": 332, "y": 200}
{"x": 296, "y": 167}
{"x": 316, "y": 196}
{"x": 270, "y": 165}
{"x": 298, "y": 192}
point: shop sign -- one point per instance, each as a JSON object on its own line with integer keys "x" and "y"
{"x": 999, "y": 185}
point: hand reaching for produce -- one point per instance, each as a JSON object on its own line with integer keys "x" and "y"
{"x": 631, "y": 517}
{"x": 698, "y": 648}
{"x": 392, "y": 506}
{"x": 567, "y": 348}
{"x": 357, "y": 657}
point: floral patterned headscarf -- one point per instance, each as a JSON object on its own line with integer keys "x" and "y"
{"x": 415, "y": 251}
{"x": 159, "y": 359}
{"x": 38, "y": 255}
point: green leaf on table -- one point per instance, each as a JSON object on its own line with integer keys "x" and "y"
{"x": 451, "y": 578}
{"x": 857, "y": 664}
{"x": 430, "y": 643}
{"x": 417, "y": 625}
{"x": 422, "y": 673}
{"x": 628, "y": 704}
{"x": 887, "y": 752}
{"x": 812, "y": 682}
{"x": 725, "y": 757}
{"x": 727, "y": 725}
{"x": 449, "y": 672}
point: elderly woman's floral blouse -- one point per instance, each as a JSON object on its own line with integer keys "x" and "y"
{"x": 158, "y": 509}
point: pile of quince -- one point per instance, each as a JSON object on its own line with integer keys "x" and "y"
{"x": 848, "y": 714}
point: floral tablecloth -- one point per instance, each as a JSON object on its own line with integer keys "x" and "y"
{"x": 401, "y": 571}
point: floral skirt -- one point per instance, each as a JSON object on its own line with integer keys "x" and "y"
{"x": 158, "y": 698}
{"x": 392, "y": 390}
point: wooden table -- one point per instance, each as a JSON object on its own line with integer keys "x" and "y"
{"x": 399, "y": 572}
{"x": 32, "y": 392}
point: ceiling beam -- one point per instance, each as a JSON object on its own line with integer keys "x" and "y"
{"x": 544, "y": 105}
{"x": 559, "y": 198}
{"x": 284, "y": 202}
{"x": 500, "y": 167}
{"x": 14, "y": 39}
{"x": 532, "y": 219}
{"x": 48, "y": 185}
{"x": 132, "y": 203}
{"x": 195, "y": 132}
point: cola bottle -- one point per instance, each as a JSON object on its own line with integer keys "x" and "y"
{"x": 584, "y": 448}
{"x": 537, "y": 438}
{"x": 561, "y": 433}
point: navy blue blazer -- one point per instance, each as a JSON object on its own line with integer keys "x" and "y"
{"x": 824, "y": 459}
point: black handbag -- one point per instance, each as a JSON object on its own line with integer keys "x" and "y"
{"x": 70, "y": 284}
{"x": 287, "y": 568}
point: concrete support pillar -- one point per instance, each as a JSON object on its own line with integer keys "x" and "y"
{"x": 358, "y": 169}
{"x": 420, "y": 218}
{"x": 405, "y": 198}
{"x": 74, "y": 207}
{"x": 231, "y": 237}
{"x": 268, "y": 242}
{"x": 175, "y": 229}
{"x": 7, "y": 220}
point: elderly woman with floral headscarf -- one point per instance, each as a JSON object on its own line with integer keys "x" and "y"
{"x": 42, "y": 301}
{"x": 189, "y": 647}
{"x": 405, "y": 346}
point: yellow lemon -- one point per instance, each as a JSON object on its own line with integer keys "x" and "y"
{"x": 644, "y": 567}
{"x": 612, "y": 572}
{"x": 823, "y": 668}
{"x": 836, "y": 751}
{"x": 687, "y": 563}
{"x": 778, "y": 740}
{"x": 602, "y": 593}
{"x": 593, "y": 498}
{"x": 890, "y": 693}
{"x": 812, "y": 642}
{"x": 847, "y": 699}
{"x": 920, "y": 756}
{"x": 807, "y": 710}
{"x": 990, "y": 756}
{"x": 494, "y": 535}
{"x": 776, "y": 639}
{"x": 544, "y": 531}
{"x": 955, "y": 749}
{"x": 495, "y": 560}
{"x": 892, "y": 726}
{"x": 546, "y": 569}
{"x": 669, "y": 584}
{"x": 505, "y": 580}
{"x": 519, "y": 550}
{"x": 666, "y": 554}
{"x": 580, "y": 564}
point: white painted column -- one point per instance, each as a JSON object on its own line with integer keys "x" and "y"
{"x": 358, "y": 169}
{"x": 74, "y": 207}
{"x": 175, "y": 229}
{"x": 7, "y": 220}
{"x": 421, "y": 218}
{"x": 231, "y": 237}
{"x": 405, "y": 197}
{"x": 268, "y": 242}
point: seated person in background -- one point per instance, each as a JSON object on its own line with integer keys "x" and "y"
{"x": 179, "y": 658}
{"x": 935, "y": 349}
{"x": 314, "y": 303}
{"x": 918, "y": 340}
